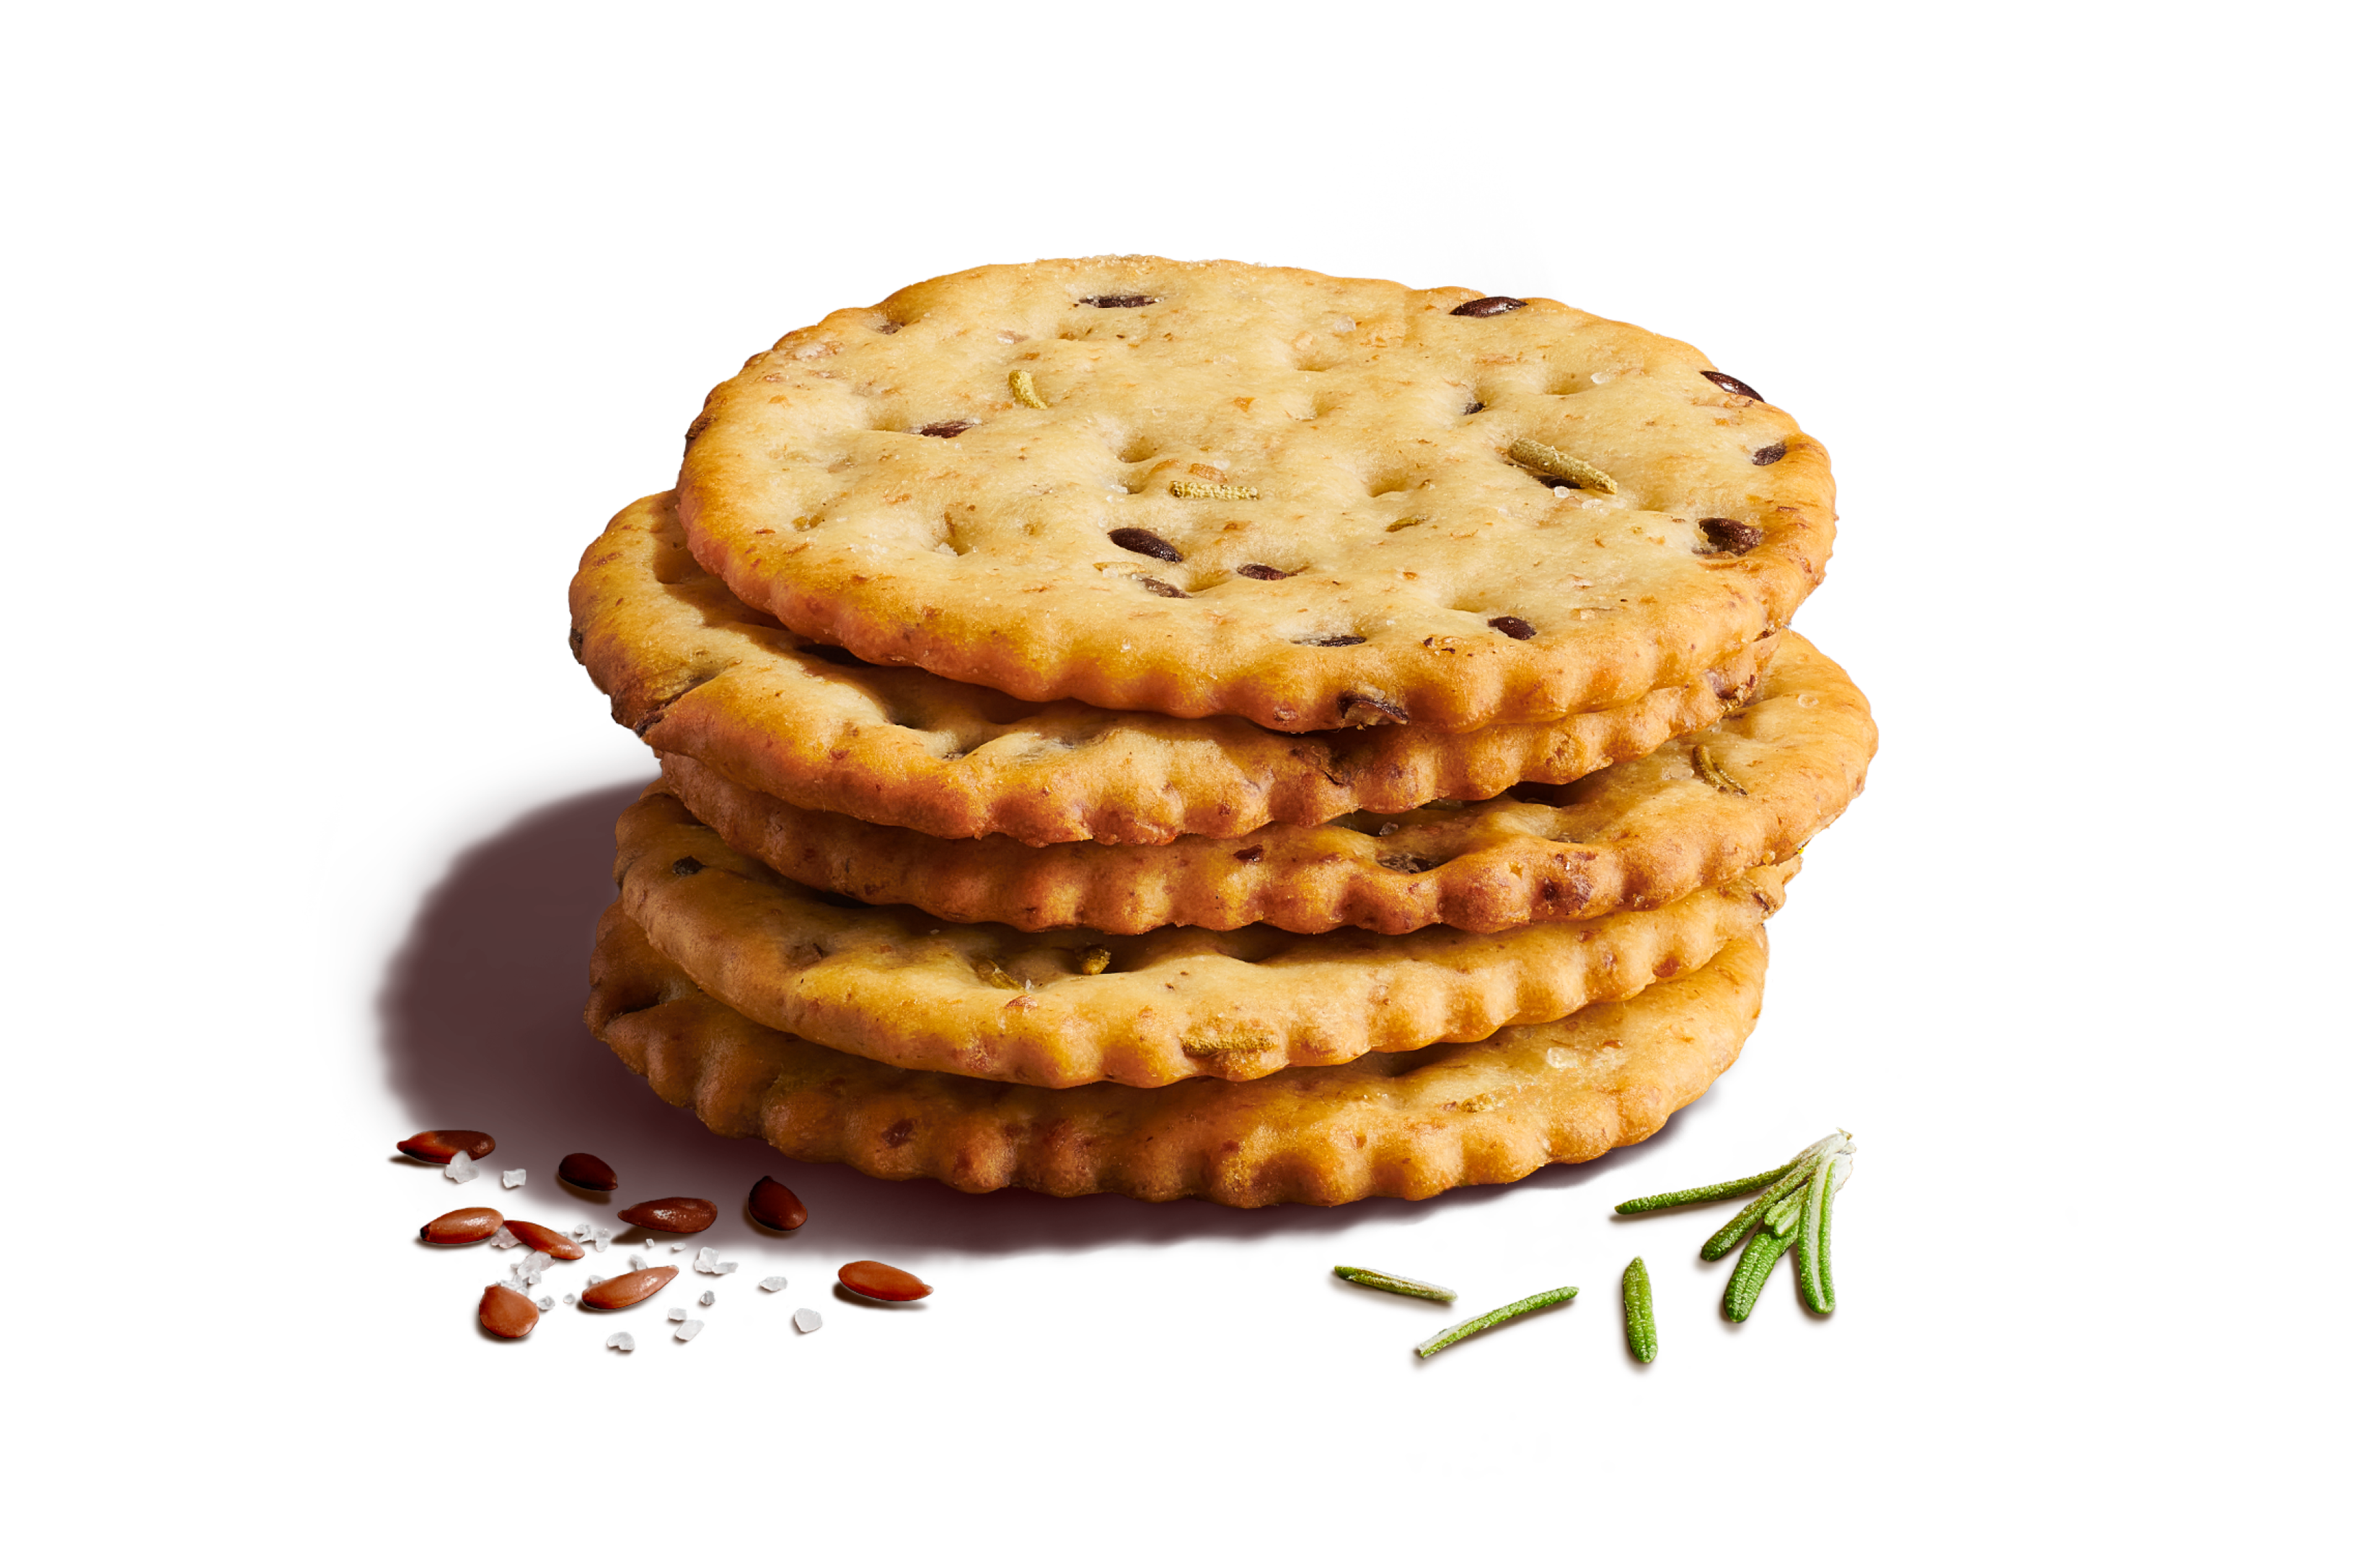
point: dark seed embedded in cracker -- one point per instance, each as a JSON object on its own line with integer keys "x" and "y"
{"x": 1140, "y": 540}
{"x": 1726, "y": 536}
{"x": 1162, "y": 588}
{"x": 1330, "y": 639}
{"x": 1771, "y": 454}
{"x": 1488, "y": 306}
{"x": 945, "y": 428}
{"x": 1364, "y": 710}
{"x": 1732, "y": 384}
{"x": 1263, "y": 573}
{"x": 1116, "y": 301}
{"x": 1519, "y": 629}
{"x": 685, "y": 866}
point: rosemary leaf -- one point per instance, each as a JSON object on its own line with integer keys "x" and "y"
{"x": 1760, "y": 1256}
{"x": 1379, "y": 1279}
{"x": 1706, "y": 1194}
{"x": 1488, "y": 1319}
{"x": 1636, "y": 1310}
{"x": 1809, "y": 1249}
{"x": 1750, "y": 1216}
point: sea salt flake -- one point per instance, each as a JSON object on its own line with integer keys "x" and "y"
{"x": 545, "y": 1304}
{"x": 727, "y": 1268}
{"x": 515, "y": 1178}
{"x": 570, "y": 1298}
{"x": 707, "y": 1262}
{"x": 805, "y": 1320}
{"x": 636, "y": 1261}
{"x": 678, "y": 1315}
{"x": 583, "y": 1232}
{"x": 505, "y": 1239}
{"x": 593, "y": 1281}
{"x": 513, "y": 1282}
{"x": 533, "y": 1268}
{"x": 621, "y": 1342}
{"x": 675, "y": 1247}
{"x": 773, "y": 1283}
{"x": 461, "y": 1170}
{"x": 710, "y": 1297}
{"x": 689, "y": 1330}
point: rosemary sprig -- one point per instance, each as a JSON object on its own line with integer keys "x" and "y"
{"x": 1793, "y": 1213}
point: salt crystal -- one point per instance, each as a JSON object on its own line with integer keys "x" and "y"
{"x": 773, "y": 1283}
{"x": 515, "y": 1178}
{"x": 533, "y": 1268}
{"x": 571, "y": 1297}
{"x": 545, "y": 1304}
{"x": 593, "y": 1281}
{"x": 678, "y": 1315}
{"x": 727, "y": 1268}
{"x": 706, "y": 1262}
{"x": 621, "y": 1342}
{"x": 636, "y": 1261}
{"x": 505, "y": 1239}
{"x": 689, "y": 1330}
{"x": 460, "y": 1170}
{"x": 805, "y": 1321}
{"x": 513, "y": 1282}
{"x": 710, "y": 1297}
{"x": 648, "y": 1245}
{"x": 583, "y": 1232}
{"x": 675, "y": 1247}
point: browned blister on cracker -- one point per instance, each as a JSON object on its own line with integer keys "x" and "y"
{"x": 1404, "y": 1125}
{"x": 1626, "y": 837}
{"x": 1353, "y": 481}
{"x": 1066, "y": 1007}
{"x": 698, "y": 674}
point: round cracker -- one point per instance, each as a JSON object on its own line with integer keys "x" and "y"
{"x": 1306, "y": 501}
{"x": 1747, "y": 789}
{"x": 695, "y": 672}
{"x": 1403, "y": 1125}
{"x": 1063, "y": 1008}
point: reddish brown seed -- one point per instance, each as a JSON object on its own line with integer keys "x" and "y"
{"x": 1768, "y": 454}
{"x": 1162, "y": 588}
{"x": 1116, "y": 301}
{"x": 584, "y": 1169}
{"x": 882, "y": 1282}
{"x": 1140, "y": 540}
{"x": 1263, "y": 573}
{"x": 626, "y": 1290}
{"x": 1364, "y": 710}
{"x": 473, "y": 1223}
{"x": 1730, "y": 384}
{"x": 1726, "y": 536}
{"x": 945, "y": 428}
{"x": 506, "y": 1312}
{"x": 1489, "y": 307}
{"x": 1519, "y": 629}
{"x": 545, "y": 1240}
{"x": 1330, "y": 639}
{"x": 685, "y": 866}
{"x": 440, "y": 1145}
{"x": 775, "y": 1206}
{"x": 677, "y": 1213}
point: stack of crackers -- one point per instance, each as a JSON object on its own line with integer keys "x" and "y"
{"x": 1201, "y": 729}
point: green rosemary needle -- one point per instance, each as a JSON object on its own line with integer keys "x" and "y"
{"x": 1396, "y": 1283}
{"x": 1754, "y": 1214}
{"x": 1706, "y": 1194}
{"x": 1760, "y": 1256}
{"x": 1446, "y": 1336}
{"x": 1636, "y": 1310}
{"x": 1817, "y": 1248}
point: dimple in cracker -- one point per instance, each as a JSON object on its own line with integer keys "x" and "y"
{"x": 1357, "y": 481}
{"x": 1063, "y": 1008}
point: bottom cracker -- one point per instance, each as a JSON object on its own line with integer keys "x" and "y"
{"x": 1408, "y": 1124}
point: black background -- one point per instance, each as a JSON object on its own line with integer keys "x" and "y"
{"x": 532, "y": 370}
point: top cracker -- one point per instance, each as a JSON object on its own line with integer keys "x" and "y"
{"x": 1218, "y": 488}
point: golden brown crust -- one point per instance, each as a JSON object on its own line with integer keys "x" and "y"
{"x": 695, "y": 672}
{"x": 876, "y": 481}
{"x": 1403, "y": 1125}
{"x": 1745, "y": 792}
{"x": 1066, "y": 1007}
